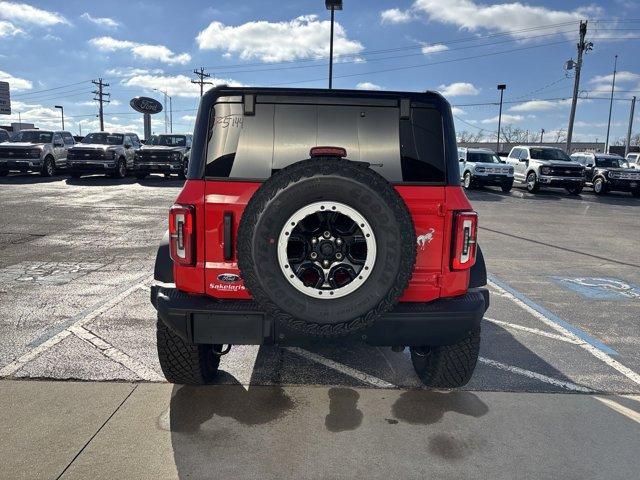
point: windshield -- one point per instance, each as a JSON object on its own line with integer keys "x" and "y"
{"x": 611, "y": 162}
{"x": 33, "y": 137}
{"x": 104, "y": 138}
{"x": 168, "y": 140}
{"x": 483, "y": 157}
{"x": 549, "y": 154}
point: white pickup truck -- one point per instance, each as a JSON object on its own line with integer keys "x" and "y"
{"x": 538, "y": 166}
{"x": 633, "y": 159}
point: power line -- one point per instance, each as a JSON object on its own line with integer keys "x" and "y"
{"x": 34, "y": 92}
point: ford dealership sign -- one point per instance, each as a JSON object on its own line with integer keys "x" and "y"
{"x": 146, "y": 105}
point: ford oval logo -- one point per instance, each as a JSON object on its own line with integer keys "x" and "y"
{"x": 229, "y": 277}
{"x": 145, "y": 105}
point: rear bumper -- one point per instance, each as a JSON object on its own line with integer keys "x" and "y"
{"x": 199, "y": 319}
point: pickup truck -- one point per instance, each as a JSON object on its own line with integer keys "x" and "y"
{"x": 538, "y": 166}
{"x": 606, "y": 173}
{"x": 104, "y": 152}
{"x": 42, "y": 151}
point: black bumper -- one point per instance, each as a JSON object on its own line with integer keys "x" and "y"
{"x": 199, "y": 319}
{"x": 100, "y": 166}
{"x": 560, "y": 182}
{"x": 493, "y": 180}
{"x": 616, "y": 185}
{"x": 23, "y": 165}
{"x": 161, "y": 167}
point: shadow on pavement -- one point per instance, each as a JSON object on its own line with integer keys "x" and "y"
{"x": 28, "y": 179}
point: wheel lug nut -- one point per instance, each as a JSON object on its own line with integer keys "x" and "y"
{"x": 339, "y": 241}
{"x": 326, "y": 234}
{"x": 313, "y": 255}
{"x": 339, "y": 256}
{"x": 314, "y": 240}
{"x": 326, "y": 263}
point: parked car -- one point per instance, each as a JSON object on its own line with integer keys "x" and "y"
{"x": 634, "y": 160}
{"x": 537, "y": 166}
{"x": 4, "y": 136}
{"x": 42, "y": 151}
{"x": 165, "y": 153}
{"x": 480, "y": 167}
{"x": 321, "y": 216}
{"x": 104, "y": 152}
{"x": 607, "y": 173}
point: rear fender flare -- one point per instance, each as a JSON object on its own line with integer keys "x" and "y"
{"x": 163, "y": 271}
{"x": 478, "y": 273}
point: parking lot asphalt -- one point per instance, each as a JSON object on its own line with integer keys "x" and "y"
{"x": 75, "y": 268}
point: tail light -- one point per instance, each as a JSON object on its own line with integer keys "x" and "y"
{"x": 182, "y": 238}
{"x": 465, "y": 234}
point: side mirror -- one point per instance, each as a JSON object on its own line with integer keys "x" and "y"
{"x": 462, "y": 160}
{"x": 523, "y": 159}
{"x": 127, "y": 147}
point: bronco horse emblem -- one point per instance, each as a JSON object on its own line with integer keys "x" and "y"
{"x": 424, "y": 240}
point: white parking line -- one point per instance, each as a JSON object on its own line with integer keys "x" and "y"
{"x": 109, "y": 351}
{"x": 613, "y": 405}
{"x": 535, "y": 331}
{"x": 38, "y": 350}
{"x": 596, "y": 352}
{"x": 339, "y": 367}
{"x": 537, "y": 376}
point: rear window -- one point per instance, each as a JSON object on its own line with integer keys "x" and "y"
{"x": 253, "y": 147}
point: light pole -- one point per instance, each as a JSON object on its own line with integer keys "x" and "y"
{"x": 613, "y": 87}
{"x": 332, "y": 5}
{"x": 541, "y": 135}
{"x": 164, "y": 92}
{"x": 502, "y": 87}
{"x": 61, "y": 113}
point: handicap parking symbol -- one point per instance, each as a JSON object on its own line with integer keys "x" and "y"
{"x": 600, "y": 288}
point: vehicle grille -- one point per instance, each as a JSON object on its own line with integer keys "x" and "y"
{"x": 155, "y": 156}
{"x": 496, "y": 170}
{"x": 625, "y": 175}
{"x": 566, "y": 172}
{"x": 8, "y": 152}
{"x": 86, "y": 154}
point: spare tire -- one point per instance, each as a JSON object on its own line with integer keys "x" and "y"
{"x": 326, "y": 246}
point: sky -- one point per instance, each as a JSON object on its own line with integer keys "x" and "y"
{"x": 51, "y": 50}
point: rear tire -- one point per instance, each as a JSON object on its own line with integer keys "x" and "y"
{"x": 185, "y": 363}
{"x": 121, "y": 169}
{"x": 506, "y": 188}
{"x": 447, "y": 366}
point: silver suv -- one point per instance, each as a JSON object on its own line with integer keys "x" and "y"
{"x": 479, "y": 167}
{"x": 538, "y": 166}
{"x": 104, "y": 152}
{"x": 43, "y": 151}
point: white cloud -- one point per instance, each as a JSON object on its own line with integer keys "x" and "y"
{"x": 502, "y": 17}
{"x": 140, "y": 50}
{"x": 458, "y": 89}
{"x": 302, "y": 37}
{"x": 622, "y": 76}
{"x": 368, "y": 86}
{"x": 177, "y": 85}
{"x": 188, "y": 118}
{"x": 395, "y": 16}
{"x": 458, "y": 111}
{"x": 8, "y": 29}
{"x": 23, "y": 13}
{"x": 133, "y": 71}
{"x": 51, "y": 38}
{"x": 15, "y": 83}
{"x": 539, "y": 105}
{"x": 427, "y": 49}
{"x": 506, "y": 119}
{"x": 101, "y": 21}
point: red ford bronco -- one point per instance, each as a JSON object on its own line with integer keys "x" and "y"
{"x": 316, "y": 216}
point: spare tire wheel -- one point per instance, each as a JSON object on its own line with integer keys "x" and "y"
{"x": 326, "y": 246}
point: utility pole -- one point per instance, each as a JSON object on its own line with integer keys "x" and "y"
{"x": 201, "y": 76}
{"x": 633, "y": 109}
{"x": 613, "y": 87}
{"x": 582, "y": 47}
{"x": 100, "y": 98}
{"x": 541, "y": 135}
{"x": 332, "y": 5}
{"x": 61, "y": 113}
{"x": 502, "y": 87}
